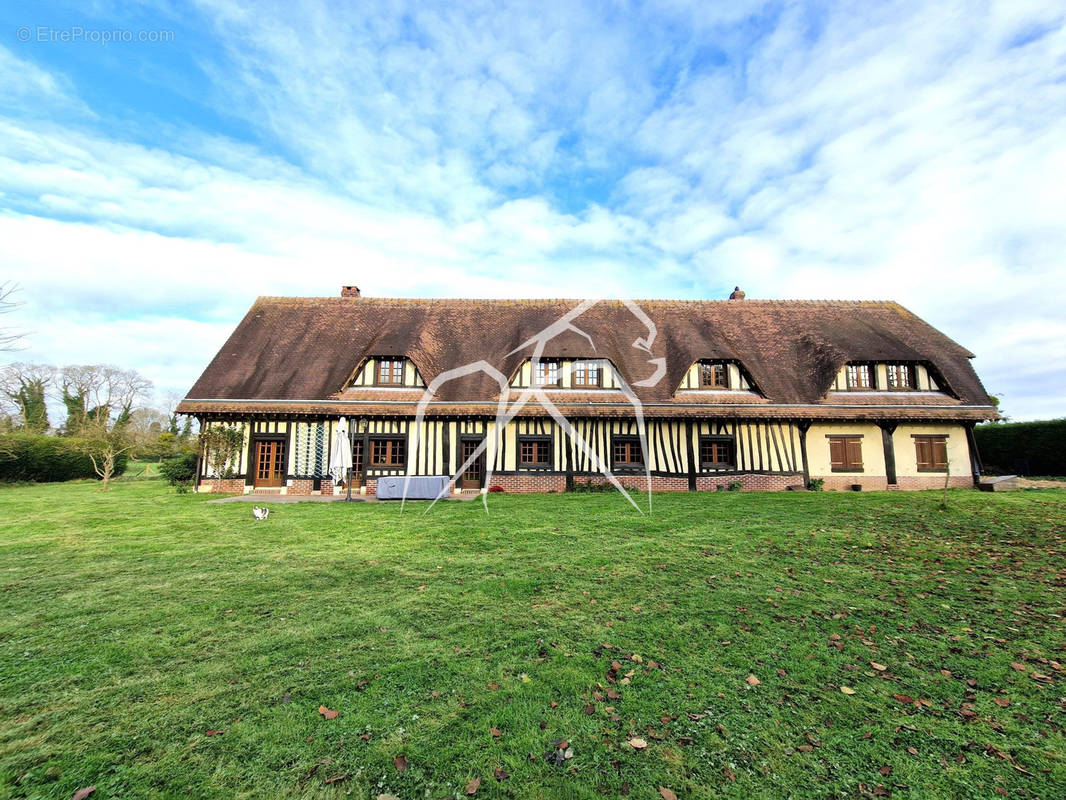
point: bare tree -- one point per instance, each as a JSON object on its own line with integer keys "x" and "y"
{"x": 9, "y": 338}
{"x": 108, "y": 397}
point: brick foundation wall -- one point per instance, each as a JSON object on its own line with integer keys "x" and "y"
{"x": 371, "y": 488}
{"x": 750, "y": 483}
{"x": 639, "y": 483}
{"x": 327, "y": 486}
{"x": 222, "y": 485}
{"x": 843, "y": 483}
{"x": 935, "y": 482}
{"x": 301, "y": 486}
{"x": 521, "y": 484}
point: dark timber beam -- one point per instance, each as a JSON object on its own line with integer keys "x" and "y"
{"x": 803, "y": 427}
{"x": 887, "y": 429}
{"x": 975, "y": 455}
{"x": 691, "y": 457}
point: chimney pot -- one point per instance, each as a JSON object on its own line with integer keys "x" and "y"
{"x": 737, "y": 294}
{"x": 350, "y": 291}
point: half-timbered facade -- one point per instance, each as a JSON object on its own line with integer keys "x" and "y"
{"x": 760, "y": 394}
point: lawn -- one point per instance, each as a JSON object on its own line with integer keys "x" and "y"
{"x": 758, "y": 645}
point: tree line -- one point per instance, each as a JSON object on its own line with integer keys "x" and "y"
{"x": 106, "y": 412}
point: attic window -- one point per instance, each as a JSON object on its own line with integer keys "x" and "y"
{"x": 714, "y": 376}
{"x": 390, "y": 372}
{"x": 587, "y": 374}
{"x": 901, "y": 377}
{"x": 858, "y": 377}
{"x": 547, "y": 373}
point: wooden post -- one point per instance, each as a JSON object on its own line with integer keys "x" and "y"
{"x": 803, "y": 427}
{"x": 887, "y": 429}
{"x": 691, "y": 457}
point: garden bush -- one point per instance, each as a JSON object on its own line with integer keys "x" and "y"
{"x": 46, "y": 459}
{"x": 1027, "y": 448}
{"x": 178, "y": 470}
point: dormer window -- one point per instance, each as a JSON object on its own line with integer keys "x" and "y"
{"x": 390, "y": 372}
{"x": 386, "y": 372}
{"x": 858, "y": 377}
{"x": 547, "y": 373}
{"x": 901, "y": 377}
{"x": 714, "y": 376}
{"x": 587, "y": 375}
{"x": 717, "y": 375}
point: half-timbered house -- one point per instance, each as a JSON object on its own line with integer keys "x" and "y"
{"x": 763, "y": 394}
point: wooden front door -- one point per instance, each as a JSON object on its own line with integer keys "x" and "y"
{"x": 357, "y": 463}
{"x": 269, "y": 463}
{"x": 471, "y": 478}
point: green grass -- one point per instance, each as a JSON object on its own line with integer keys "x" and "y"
{"x": 134, "y": 622}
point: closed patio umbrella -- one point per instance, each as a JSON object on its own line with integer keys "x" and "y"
{"x": 340, "y": 460}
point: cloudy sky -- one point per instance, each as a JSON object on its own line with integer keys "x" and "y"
{"x": 150, "y": 189}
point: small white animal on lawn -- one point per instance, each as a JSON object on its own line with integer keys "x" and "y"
{"x": 260, "y": 513}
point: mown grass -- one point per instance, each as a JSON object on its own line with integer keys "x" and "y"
{"x": 135, "y": 622}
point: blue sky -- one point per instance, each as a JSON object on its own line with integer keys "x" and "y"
{"x": 150, "y": 190}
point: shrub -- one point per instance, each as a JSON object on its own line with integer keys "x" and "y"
{"x": 735, "y": 486}
{"x": 816, "y": 484}
{"x": 46, "y": 459}
{"x": 1027, "y": 448}
{"x": 179, "y": 469}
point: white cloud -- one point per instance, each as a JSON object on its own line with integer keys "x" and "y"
{"x": 907, "y": 150}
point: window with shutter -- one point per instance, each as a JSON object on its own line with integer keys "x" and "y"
{"x": 931, "y": 452}
{"x": 845, "y": 453}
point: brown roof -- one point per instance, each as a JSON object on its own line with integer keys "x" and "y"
{"x": 290, "y": 352}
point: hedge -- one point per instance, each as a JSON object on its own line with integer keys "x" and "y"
{"x": 1024, "y": 448}
{"x": 25, "y": 457}
{"x": 178, "y": 469}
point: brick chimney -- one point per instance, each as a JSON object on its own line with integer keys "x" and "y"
{"x": 350, "y": 291}
{"x": 736, "y": 295}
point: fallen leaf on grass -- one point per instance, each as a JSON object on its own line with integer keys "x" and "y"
{"x": 885, "y": 770}
{"x": 1002, "y": 702}
{"x": 494, "y": 686}
{"x": 502, "y": 774}
{"x": 1036, "y": 676}
{"x": 667, "y": 794}
{"x": 336, "y": 779}
{"x": 878, "y": 667}
{"x": 213, "y": 732}
{"x": 327, "y": 712}
{"x": 590, "y": 709}
{"x": 847, "y": 690}
{"x": 472, "y": 787}
{"x": 1018, "y": 666}
{"x": 400, "y": 762}
{"x": 637, "y": 744}
{"x": 753, "y": 681}
{"x": 496, "y": 733}
{"x": 81, "y": 794}
{"x": 912, "y": 750}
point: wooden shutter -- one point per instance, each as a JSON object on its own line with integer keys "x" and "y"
{"x": 845, "y": 453}
{"x": 838, "y": 454}
{"x": 924, "y": 452}
{"x": 939, "y": 446}
{"x": 931, "y": 452}
{"x": 854, "y": 453}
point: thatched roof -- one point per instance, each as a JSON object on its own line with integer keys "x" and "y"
{"x": 295, "y": 355}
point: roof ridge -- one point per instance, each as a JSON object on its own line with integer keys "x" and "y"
{"x": 576, "y": 300}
